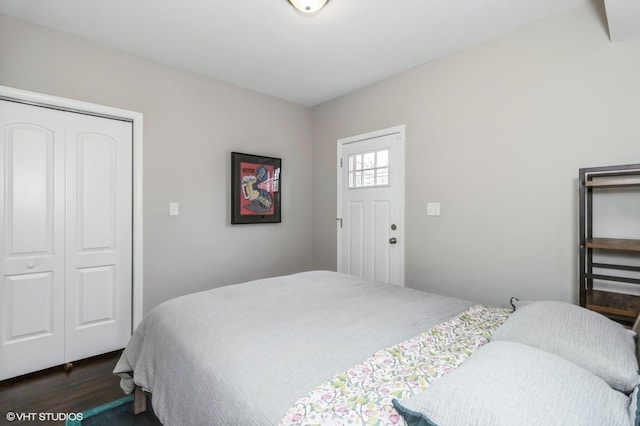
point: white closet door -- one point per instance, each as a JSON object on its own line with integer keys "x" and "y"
{"x": 66, "y": 242}
{"x": 32, "y": 170}
{"x": 99, "y": 235}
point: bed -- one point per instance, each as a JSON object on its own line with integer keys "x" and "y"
{"x": 326, "y": 348}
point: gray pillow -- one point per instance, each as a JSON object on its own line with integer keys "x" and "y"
{"x": 508, "y": 383}
{"x": 584, "y": 337}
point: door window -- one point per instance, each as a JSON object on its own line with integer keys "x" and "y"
{"x": 369, "y": 169}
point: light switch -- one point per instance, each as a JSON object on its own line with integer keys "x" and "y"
{"x": 174, "y": 209}
{"x": 433, "y": 209}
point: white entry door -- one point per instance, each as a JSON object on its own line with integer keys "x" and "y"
{"x": 370, "y": 206}
{"x": 65, "y": 247}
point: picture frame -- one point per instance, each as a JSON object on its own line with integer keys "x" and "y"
{"x": 255, "y": 189}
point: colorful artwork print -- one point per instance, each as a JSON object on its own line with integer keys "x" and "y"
{"x": 258, "y": 186}
{"x": 255, "y": 189}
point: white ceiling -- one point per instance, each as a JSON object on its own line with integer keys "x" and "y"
{"x": 269, "y": 47}
{"x": 623, "y": 17}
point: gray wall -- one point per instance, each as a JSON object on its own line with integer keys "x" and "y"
{"x": 191, "y": 124}
{"x": 496, "y": 133}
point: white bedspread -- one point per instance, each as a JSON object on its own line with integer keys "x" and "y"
{"x": 243, "y": 354}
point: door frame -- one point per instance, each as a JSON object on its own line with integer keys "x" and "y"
{"x": 136, "y": 119}
{"x": 400, "y": 129}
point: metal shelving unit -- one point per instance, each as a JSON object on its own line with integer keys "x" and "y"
{"x": 619, "y": 306}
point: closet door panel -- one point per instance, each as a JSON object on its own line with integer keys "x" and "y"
{"x": 96, "y": 174}
{"x": 96, "y": 293}
{"x": 29, "y": 206}
{"x": 32, "y": 239}
{"x": 30, "y": 306}
{"x": 99, "y": 236}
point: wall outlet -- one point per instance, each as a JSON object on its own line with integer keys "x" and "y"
{"x": 174, "y": 209}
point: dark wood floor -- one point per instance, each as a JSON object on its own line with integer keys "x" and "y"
{"x": 88, "y": 384}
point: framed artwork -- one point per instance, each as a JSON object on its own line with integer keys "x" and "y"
{"x": 255, "y": 189}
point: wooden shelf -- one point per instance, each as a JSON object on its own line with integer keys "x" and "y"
{"x": 618, "y": 306}
{"x": 613, "y": 182}
{"x": 614, "y": 244}
{"x": 621, "y": 307}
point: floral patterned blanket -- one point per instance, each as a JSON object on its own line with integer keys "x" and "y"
{"x": 362, "y": 395}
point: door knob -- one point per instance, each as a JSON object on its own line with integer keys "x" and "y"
{"x": 31, "y": 265}
{"x": 393, "y": 240}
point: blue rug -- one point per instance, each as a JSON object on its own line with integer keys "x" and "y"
{"x": 118, "y": 412}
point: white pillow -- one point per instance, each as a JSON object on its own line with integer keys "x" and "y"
{"x": 579, "y": 335}
{"x": 508, "y": 383}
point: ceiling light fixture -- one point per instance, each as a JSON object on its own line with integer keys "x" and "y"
{"x": 308, "y": 6}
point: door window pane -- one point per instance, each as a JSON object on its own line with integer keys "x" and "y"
{"x": 369, "y": 169}
{"x": 382, "y": 158}
{"x": 382, "y": 176}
